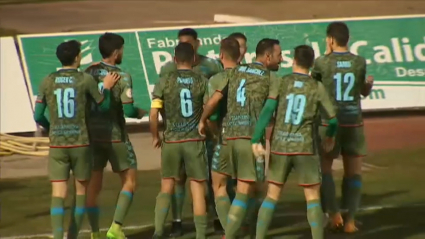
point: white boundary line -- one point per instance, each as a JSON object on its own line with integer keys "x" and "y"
{"x": 225, "y": 25}
{"x": 132, "y": 228}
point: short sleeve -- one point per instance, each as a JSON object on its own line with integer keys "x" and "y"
{"x": 325, "y": 101}
{"x": 218, "y": 67}
{"x": 126, "y": 83}
{"x": 214, "y": 83}
{"x": 221, "y": 84}
{"x": 273, "y": 86}
{"x": 158, "y": 90}
{"x": 315, "y": 72}
{"x": 92, "y": 88}
{"x": 41, "y": 94}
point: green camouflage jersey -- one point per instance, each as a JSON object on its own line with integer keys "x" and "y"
{"x": 214, "y": 85}
{"x": 184, "y": 94}
{"x": 109, "y": 126}
{"x": 343, "y": 75}
{"x": 247, "y": 88}
{"x": 299, "y": 101}
{"x": 68, "y": 94}
{"x": 207, "y": 67}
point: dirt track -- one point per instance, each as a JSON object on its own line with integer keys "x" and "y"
{"x": 382, "y": 134}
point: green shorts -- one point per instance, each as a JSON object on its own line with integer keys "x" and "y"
{"x": 190, "y": 155}
{"x": 349, "y": 141}
{"x": 220, "y": 160}
{"x": 121, "y": 156}
{"x": 63, "y": 160}
{"x": 243, "y": 165}
{"x": 307, "y": 167}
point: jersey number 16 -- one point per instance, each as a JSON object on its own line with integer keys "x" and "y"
{"x": 65, "y": 99}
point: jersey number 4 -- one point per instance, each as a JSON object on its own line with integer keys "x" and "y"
{"x": 240, "y": 93}
{"x": 295, "y": 109}
{"x": 186, "y": 103}
{"x": 340, "y": 93}
{"x": 65, "y": 99}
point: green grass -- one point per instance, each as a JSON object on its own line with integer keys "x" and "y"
{"x": 14, "y": 2}
{"x": 26, "y": 202}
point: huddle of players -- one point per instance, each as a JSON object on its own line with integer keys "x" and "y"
{"x": 86, "y": 130}
{"x": 233, "y": 109}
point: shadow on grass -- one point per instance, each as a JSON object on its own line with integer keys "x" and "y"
{"x": 6, "y": 186}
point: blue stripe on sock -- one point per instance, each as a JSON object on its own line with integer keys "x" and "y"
{"x": 93, "y": 210}
{"x": 313, "y": 224}
{"x": 164, "y": 210}
{"x": 80, "y": 210}
{"x": 268, "y": 205}
{"x": 57, "y": 211}
{"x": 356, "y": 183}
{"x": 178, "y": 195}
{"x": 128, "y": 194}
{"x": 313, "y": 205}
{"x": 239, "y": 203}
{"x": 59, "y": 229}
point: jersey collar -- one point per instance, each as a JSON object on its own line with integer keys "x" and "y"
{"x": 258, "y": 63}
{"x": 301, "y": 74}
{"x": 106, "y": 64}
{"x": 68, "y": 69}
{"x": 341, "y": 53}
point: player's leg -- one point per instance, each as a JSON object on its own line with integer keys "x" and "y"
{"x": 194, "y": 154}
{"x": 81, "y": 164}
{"x": 279, "y": 168}
{"x": 220, "y": 175}
{"x": 59, "y": 167}
{"x": 308, "y": 169}
{"x": 100, "y": 156}
{"x": 177, "y": 202}
{"x": 353, "y": 151}
{"x": 171, "y": 165}
{"x": 123, "y": 161}
{"x": 327, "y": 189}
{"x": 246, "y": 174}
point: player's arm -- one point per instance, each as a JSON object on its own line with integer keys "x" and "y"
{"x": 214, "y": 100}
{"x": 130, "y": 110}
{"x": 264, "y": 120}
{"x": 326, "y": 104}
{"x": 102, "y": 99}
{"x": 156, "y": 106}
{"x": 40, "y": 107}
{"x": 315, "y": 72}
{"x": 366, "y": 87}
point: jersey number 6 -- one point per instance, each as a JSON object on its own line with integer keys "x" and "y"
{"x": 186, "y": 103}
{"x": 295, "y": 109}
{"x": 65, "y": 99}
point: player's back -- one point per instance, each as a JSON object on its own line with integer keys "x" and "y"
{"x": 298, "y": 105}
{"x": 343, "y": 75}
{"x": 248, "y": 88}
{"x": 108, "y": 126}
{"x": 184, "y": 95}
{"x": 68, "y": 101}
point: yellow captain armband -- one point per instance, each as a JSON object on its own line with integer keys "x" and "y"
{"x": 157, "y": 104}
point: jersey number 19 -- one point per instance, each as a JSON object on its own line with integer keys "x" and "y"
{"x": 65, "y": 99}
{"x": 295, "y": 109}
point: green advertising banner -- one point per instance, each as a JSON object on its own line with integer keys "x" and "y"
{"x": 393, "y": 46}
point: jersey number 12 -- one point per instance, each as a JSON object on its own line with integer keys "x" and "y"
{"x": 186, "y": 103}
{"x": 65, "y": 99}
{"x": 340, "y": 94}
{"x": 295, "y": 109}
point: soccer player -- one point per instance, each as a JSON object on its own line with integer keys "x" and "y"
{"x": 241, "y": 38}
{"x": 109, "y": 137}
{"x": 246, "y": 92}
{"x": 207, "y": 67}
{"x": 66, "y": 93}
{"x": 292, "y": 143}
{"x": 344, "y": 76}
{"x": 229, "y": 57}
{"x": 182, "y": 94}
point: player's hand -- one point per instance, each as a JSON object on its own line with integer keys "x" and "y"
{"x": 258, "y": 150}
{"x": 201, "y": 129}
{"x": 156, "y": 142}
{"x": 110, "y": 80}
{"x": 328, "y": 144}
{"x": 370, "y": 80}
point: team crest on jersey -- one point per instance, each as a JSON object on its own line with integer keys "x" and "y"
{"x": 129, "y": 93}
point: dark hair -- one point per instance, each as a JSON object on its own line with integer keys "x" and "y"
{"x": 238, "y": 35}
{"x": 304, "y": 56}
{"x": 110, "y": 42}
{"x": 184, "y": 52}
{"x": 67, "y": 51}
{"x": 188, "y": 32}
{"x": 339, "y": 31}
{"x": 266, "y": 46}
{"x": 230, "y": 47}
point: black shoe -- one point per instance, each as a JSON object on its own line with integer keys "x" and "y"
{"x": 218, "y": 228}
{"x": 176, "y": 229}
